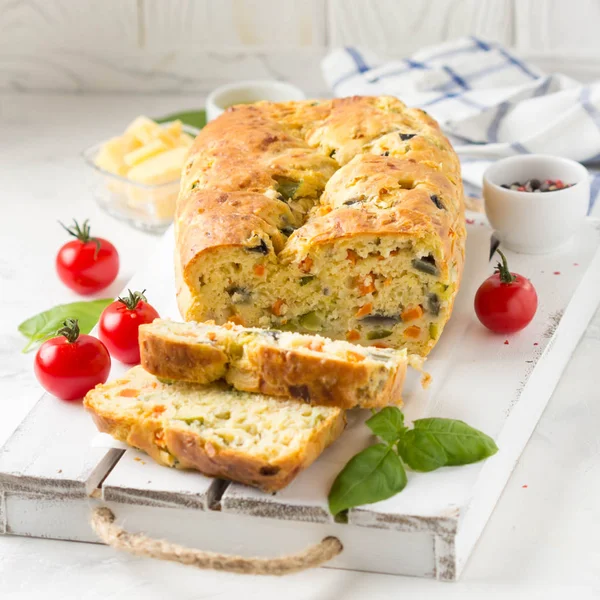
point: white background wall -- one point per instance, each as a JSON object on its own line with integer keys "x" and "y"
{"x": 190, "y": 46}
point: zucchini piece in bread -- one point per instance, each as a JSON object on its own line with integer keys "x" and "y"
{"x": 221, "y": 432}
{"x": 278, "y": 363}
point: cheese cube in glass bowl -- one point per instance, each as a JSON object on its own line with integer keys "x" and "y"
{"x": 140, "y": 186}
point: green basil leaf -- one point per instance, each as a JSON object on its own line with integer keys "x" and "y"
{"x": 372, "y": 475}
{"x": 192, "y": 118}
{"x": 43, "y": 325}
{"x": 435, "y": 443}
{"x": 388, "y": 424}
{"x": 421, "y": 451}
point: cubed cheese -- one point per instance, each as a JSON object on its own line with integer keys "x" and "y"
{"x": 162, "y": 168}
{"x": 143, "y": 129}
{"x": 145, "y": 152}
{"x": 110, "y": 157}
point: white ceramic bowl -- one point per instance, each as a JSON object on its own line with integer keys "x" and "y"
{"x": 536, "y": 223}
{"x": 245, "y": 92}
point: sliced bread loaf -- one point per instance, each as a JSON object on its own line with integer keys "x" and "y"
{"x": 278, "y": 363}
{"x": 343, "y": 217}
{"x": 221, "y": 432}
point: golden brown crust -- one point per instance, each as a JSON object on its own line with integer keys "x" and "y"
{"x": 356, "y": 121}
{"x": 223, "y": 219}
{"x": 349, "y": 223}
{"x": 192, "y": 453}
{"x": 153, "y": 430}
{"x": 310, "y": 378}
{"x": 387, "y": 181}
{"x": 242, "y": 151}
{"x": 170, "y": 359}
{"x": 313, "y": 377}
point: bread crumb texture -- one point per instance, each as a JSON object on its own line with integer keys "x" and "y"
{"x": 250, "y": 438}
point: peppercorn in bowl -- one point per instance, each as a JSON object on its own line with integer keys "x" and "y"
{"x": 535, "y": 222}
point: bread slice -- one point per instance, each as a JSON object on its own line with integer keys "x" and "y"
{"x": 221, "y": 432}
{"x": 278, "y": 363}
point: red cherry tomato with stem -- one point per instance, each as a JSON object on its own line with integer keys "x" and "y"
{"x": 119, "y": 323}
{"x": 505, "y": 302}
{"x": 70, "y": 365}
{"x": 86, "y": 264}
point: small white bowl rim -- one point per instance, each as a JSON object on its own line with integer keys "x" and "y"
{"x": 253, "y": 84}
{"x": 583, "y": 175}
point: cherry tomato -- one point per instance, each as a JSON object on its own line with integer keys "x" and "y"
{"x": 505, "y": 302}
{"x": 119, "y": 323}
{"x": 70, "y": 365}
{"x": 86, "y": 264}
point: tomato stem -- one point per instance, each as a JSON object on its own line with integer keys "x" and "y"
{"x": 70, "y": 330}
{"x": 502, "y": 269}
{"x": 82, "y": 233}
{"x": 133, "y": 299}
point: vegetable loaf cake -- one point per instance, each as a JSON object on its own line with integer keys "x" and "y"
{"x": 250, "y": 438}
{"x": 277, "y": 363}
{"x": 341, "y": 217}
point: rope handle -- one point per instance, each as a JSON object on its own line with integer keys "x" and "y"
{"x": 103, "y": 523}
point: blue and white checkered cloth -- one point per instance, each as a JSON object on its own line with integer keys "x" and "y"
{"x": 490, "y": 103}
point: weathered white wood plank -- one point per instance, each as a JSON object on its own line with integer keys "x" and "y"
{"x": 240, "y": 25}
{"x": 39, "y": 24}
{"x": 365, "y": 550}
{"x": 43, "y": 44}
{"x": 153, "y": 46}
{"x": 50, "y": 452}
{"x": 191, "y": 46}
{"x": 557, "y": 27}
{"x": 286, "y": 24}
{"x": 400, "y": 28}
{"x": 374, "y": 550}
{"x": 156, "y": 72}
{"x": 138, "y": 480}
{"x": 2, "y": 513}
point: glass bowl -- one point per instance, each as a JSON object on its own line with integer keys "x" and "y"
{"x": 147, "y": 207}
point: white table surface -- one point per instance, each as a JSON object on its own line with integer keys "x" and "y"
{"x": 543, "y": 540}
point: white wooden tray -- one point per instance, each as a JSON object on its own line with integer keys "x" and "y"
{"x": 51, "y": 475}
